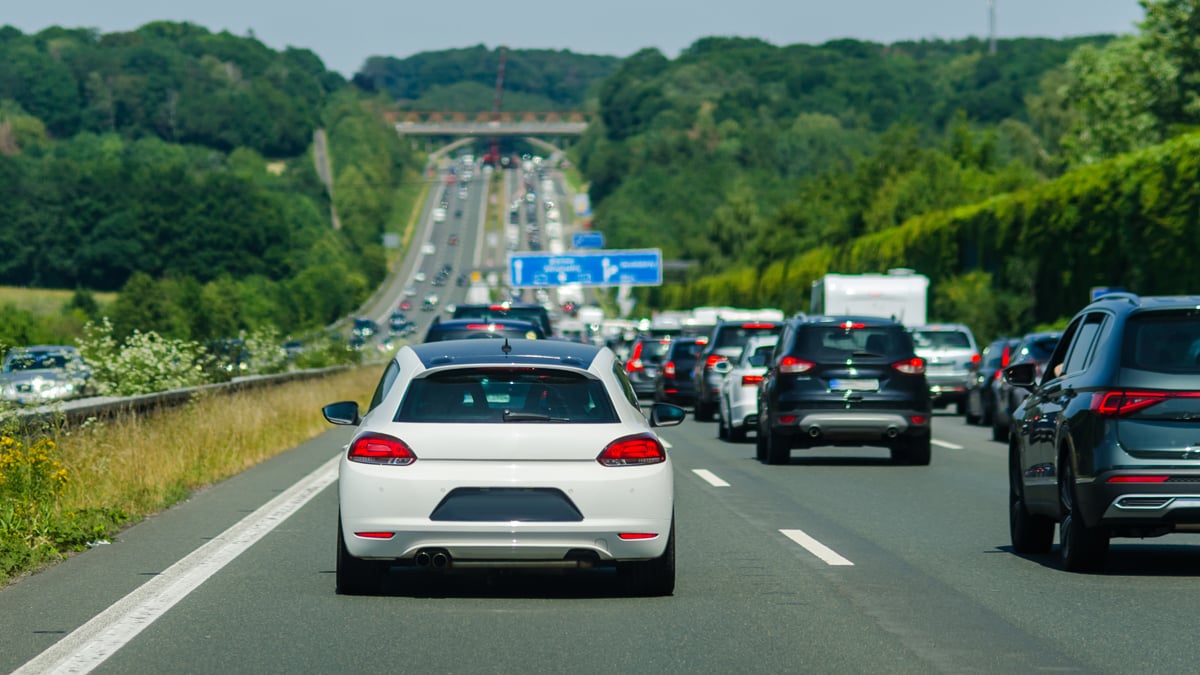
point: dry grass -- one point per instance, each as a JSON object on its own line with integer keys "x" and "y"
{"x": 44, "y": 300}
{"x": 144, "y": 465}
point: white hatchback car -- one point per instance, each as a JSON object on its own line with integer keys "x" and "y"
{"x": 490, "y": 454}
{"x": 738, "y": 398}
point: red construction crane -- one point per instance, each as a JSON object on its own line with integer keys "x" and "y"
{"x": 493, "y": 154}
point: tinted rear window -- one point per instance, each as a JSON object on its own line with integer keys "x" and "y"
{"x": 499, "y": 395}
{"x": 537, "y": 315}
{"x": 735, "y": 336}
{"x": 467, "y": 334}
{"x": 1167, "y": 342}
{"x": 824, "y": 343}
{"x": 685, "y": 351}
{"x": 941, "y": 339}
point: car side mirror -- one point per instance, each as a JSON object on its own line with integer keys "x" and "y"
{"x": 342, "y": 412}
{"x": 722, "y": 367}
{"x": 666, "y": 415}
{"x": 1023, "y": 375}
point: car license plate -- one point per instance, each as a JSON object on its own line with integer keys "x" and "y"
{"x": 853, "y": 385}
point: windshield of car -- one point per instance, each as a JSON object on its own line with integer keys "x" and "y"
{"x": 503, "y": 395}
{"x": 941, "y": 339}
{"x": 1167, "y": 342}
{"x": 35, "y": 361}
{"x": 1037, "y": 349}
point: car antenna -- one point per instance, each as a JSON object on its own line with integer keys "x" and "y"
{"x": 506, "y": 348}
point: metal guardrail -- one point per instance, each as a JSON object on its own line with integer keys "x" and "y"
{"x": 74, "y": 413}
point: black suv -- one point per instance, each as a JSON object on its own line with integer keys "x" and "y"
{"x": 507, "y": 310}
{"x": 470, "y": 329}
{"x": 844, "y": 380}
{"x": 1108, "y": 442}
{"x": 724, "y": 342}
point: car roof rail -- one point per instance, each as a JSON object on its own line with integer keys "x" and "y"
{"x": 1131, "y": 298}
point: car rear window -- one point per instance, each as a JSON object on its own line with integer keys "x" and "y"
{"x": 838, "y": 342}
{"x": 498, "y": 395}
{"x": 1166, "y": 342}
{"x": 737, "y": 335}
{"x": 941, "y": 339}
{"x": 537, "y": 315}
{"x": 1038, "y": 349}
{"x": 686, "y": 351}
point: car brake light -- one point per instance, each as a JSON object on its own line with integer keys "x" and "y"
{"x": 848, "y": 325}
{"x": 375, "y": 535}
{"x": 714, "y": 359}
{"x": 1118, "y": 403}
{"x": 634, "y": 363}
{"x": 380, "y": 449}
{"x": 627, "y": 536}
{"x": 918, "y": 420}
{"x": 751, "y": 380}
{"x": 975, "y": 359}
{"x": 1005, "y": 356}
{"x": 793, "y": 365}
{"x": 633, "y": 451}
{"x": 757, "y": 326}
{"x": 481, "y": 326}
{"x": 1137, "y": 479}
{"x": 669, "y": 369}
{"x": 913, "y": 366}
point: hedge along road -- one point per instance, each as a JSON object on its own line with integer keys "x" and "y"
{"x": 921, "y": 581}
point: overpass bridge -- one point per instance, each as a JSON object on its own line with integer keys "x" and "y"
{"x": 489, "y": 124}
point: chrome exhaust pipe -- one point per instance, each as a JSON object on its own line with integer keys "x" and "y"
{"x": 423, "y": 559}
{"x": 814, "y": 431}
{"x": 441, "y": 560}
{"x": 892, "y": 432}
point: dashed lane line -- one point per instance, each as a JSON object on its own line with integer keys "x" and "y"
{"x": 710, "y": 478}
{"x": 945, "y": 444}
{"x": 828, "y": 555}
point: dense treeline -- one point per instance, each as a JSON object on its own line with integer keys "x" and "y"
{"x": 1026, "y": 250}
{"x": 174, "y": 165}
{"x": 465, "y": 79}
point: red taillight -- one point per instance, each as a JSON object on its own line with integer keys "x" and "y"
{"x": 1118, "y": 403}
{"x": 380, "y": 449}
{"x": 787, "y": 419}
{"x": 1005, "y": 356}
{"x": 848, "y": 325}
{"x": 1138, "y": 479}
{"x": 628, "y": 536}
{"x": 481, "y": 326}
{"x": 975, "y": 359}
{"x": 913, "y": 366}
{"x": 375, "y": 535}
{"x": 751, "y": 380}
{"x": 918, "y": 420}
{"x": 669, "y": 369}
{"x": 634, "y": 363}
{"x": 758, "y": 326}
{"x": 633, "y": 451}
{"x": 793, "y": 365}
{"x": 714, "y": 359}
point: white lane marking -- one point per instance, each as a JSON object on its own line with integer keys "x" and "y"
{"x": 816, "y": 548}
{"x": 945, "y": 444}
{"x": 95, "y": 641}
{"x": 710, "y": 478}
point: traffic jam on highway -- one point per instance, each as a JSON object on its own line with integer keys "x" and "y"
{"x": 851, "y": 488}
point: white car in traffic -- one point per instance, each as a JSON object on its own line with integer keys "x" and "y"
{"x": 738, "y": 398}
{"x": 505, "y": 454}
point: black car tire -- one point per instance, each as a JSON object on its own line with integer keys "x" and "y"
{"x": 778, "y": 451}
{"x": 1081, "y": 548}
{"x": 917, "y": 451}
{"x": 703, "y": 411}
{"x": 737, "y": 434}
{"x": 999, "y": 431}
{"x": 1029, "y": 533}
{"x": 960, "y": 408}
{"x": 987, "y": 415}
{"x": 354, "y": 575}
{"x": 652, "y": 577}
{"x": 760, "y": 444}
{"x": 722, "y": 427}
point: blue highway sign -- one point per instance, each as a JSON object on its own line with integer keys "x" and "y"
{"x": 640, "y": 267}
{"x": 587, "y": 240}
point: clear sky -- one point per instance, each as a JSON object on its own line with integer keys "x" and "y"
{"x": 345, "y": 32}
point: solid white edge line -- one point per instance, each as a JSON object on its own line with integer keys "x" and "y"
{"x": 945, "y": 444}
{"x": 710, "y": 478}
{"x": 816, "y": 548}
{"x": 88, "y": 646}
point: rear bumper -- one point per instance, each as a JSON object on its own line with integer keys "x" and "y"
{"x": 1174, "y": 505}
{"x": 858, "y": 427}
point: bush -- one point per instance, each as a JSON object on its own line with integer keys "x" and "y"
{"x": 141, "y": 364}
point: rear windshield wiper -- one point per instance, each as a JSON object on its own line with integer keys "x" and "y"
{"x": 521, "y": 416}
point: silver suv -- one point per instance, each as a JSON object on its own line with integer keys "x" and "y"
{"x": 951, "y": 357}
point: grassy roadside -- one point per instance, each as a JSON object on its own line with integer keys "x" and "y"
{"x": 61, "y": 490}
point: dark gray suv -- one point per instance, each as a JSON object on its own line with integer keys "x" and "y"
{"x": 844, "y": 380}
{"x": 1108, "y": 442}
